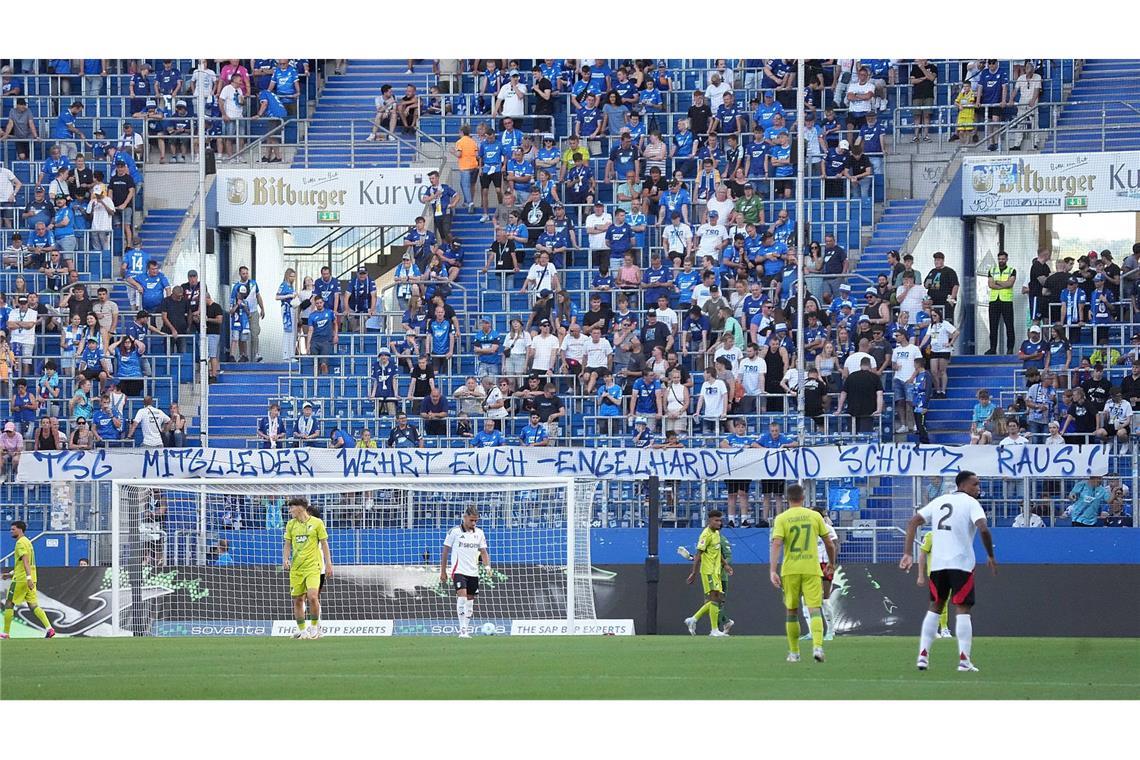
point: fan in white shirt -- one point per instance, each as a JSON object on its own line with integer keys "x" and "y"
{"x": 574, "y": 344}
{"x": 1116, "y": 419}
{"x": 712, "y": 237}
{"x": 543, "y": 349}
{"x": 542, "y": 276}
{"x": 152, "y": 420}
{"x": 955, "y": 519}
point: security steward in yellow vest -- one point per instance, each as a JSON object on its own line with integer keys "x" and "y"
{"x": 1001, "y": 279}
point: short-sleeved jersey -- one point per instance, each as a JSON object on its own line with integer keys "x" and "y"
{"x": 305, "y": 539}
{"x": 24, "y": 549}
{"x": 800, "y": 529}
{"x": 465, "y": 546}
{"x": 821, "y": 548}
{"x": 952, "y": 519}
{"x": 709, "y": 546}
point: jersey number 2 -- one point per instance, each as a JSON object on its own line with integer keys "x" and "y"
{"x": 947, "y": 510}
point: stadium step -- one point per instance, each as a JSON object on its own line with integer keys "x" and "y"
{"x": 1095, "y": 98}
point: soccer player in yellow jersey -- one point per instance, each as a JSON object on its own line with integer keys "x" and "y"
{"x": 710, "y": 562}
{"x": 923, "y": 564}
{"x": 306, "y": 543}
{"x": 22, "y": 590}
{"x": 796, "y": 531}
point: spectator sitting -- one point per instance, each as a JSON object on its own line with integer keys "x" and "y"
{"x": 1117, "y": 516}
{"x": 341, "y": 439}
{"x": 434, "y": 410}
{"x": 404, "y": 436}
{"x": 535, "y": 433}
{"x": 470, "y": 396}
{"x": 11, "y": 447}
{"x": 365, "y": 441}
{"x": 982, "y": 426}
{"x": 1034, "y": 520}
{"x": 489, "y": 436}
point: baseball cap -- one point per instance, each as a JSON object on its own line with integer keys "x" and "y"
{"x": 845, "y": 286}
{"x": 544, "y": 293}
{"x": 769, "y": 94}
{"x": 651, "y": 313}
{"x": 39, "y": 188}
{"x": 9, "y": 427}
{"x": 180, "y": 104}
{"x": 544, "y": 323}
{"x": 22, "y": 299}
{"x": 636, "y": 421}
{"x": 1098, "y": 278}
{"x": 151, "y": 103}
{"x": 864, "y": 318}
{"x": 780, "y": 326}
{"x": 361, "y": 268}
{"x": 713, "y": 212}
{"x": 92, "y": 339}
{"x": 599, "y": 203}
{"x": 1034, "y": 329}
{"x": 384, "y": 351}
{"x": 871, "y": 292}
{"x": 844, "y": 145}
{"x": 1074, "y": 280}
{"x": 514, "y": 73}
{"x": 308, "y": 404}
{"x": 120, "y": 162}
{"x": 486, "y": 319}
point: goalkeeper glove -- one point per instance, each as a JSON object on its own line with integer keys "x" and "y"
{"x": 685, "y": 553}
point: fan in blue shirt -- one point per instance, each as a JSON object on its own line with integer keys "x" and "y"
{"x": 154, "y": 285}
{"x": 766, "y": 112}
{"x": 534, "y": 433}
{"x": 104, "y": 423}
{"x": 491, "y": 154}
{"x": 274, "y": 108}
{"x": 510, "y": 139}
{"x": 383, "y": 376}
{"x": 991, "y": 82}
{"x": 588, "y": 119}
{"x": 753, "y": 303}
{"x": 440, "y": 337}
{"x": 728, "y": 115}
{"x": 420, "y": 240}
{"x": 284, "y": 79}
{"x": 645, "y": 395}
{"x": 167, "y": 78}
{"x": 739, "y": 441}
{"x": 620, "y": 234}
{"x": 521, "y": 168}
{"x": 658, "y": 275}
{"x": 642, "y": 436}
{"x": 61, "y": 127}
{"x": 685, "y": 282}
{"x": 488, "y": 436}
{"x": 834, "y": 162}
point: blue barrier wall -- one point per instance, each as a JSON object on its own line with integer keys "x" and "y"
{"x": 627, "y": 546}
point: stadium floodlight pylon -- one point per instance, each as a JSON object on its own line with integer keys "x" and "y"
{"x": 204, "y": 556}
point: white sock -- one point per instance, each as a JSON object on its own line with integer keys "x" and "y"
{"x": 929, "y": 631}
{"x": 828, "y": 624}
{"x": 460, "y": 609}
{"x": 469, "y": 609}
{"x": 964, "y": 630}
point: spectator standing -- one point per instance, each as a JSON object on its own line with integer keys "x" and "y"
{"x": 434, "y": 411}
{"x": 923, "y": 78}
{"x": 466, "y": 153}
{"x": 863, "y": 393}
{"x": 152, "y": 420}
{"x": 1088, "y": 500}
{"x": 256, "y": 308}
{"x": 712, "y": 406}
{"x": 1027, "y": 92}
{"x": 1001, "y": 279}
{"x": 859, "y": 98}
{"x": 21, "y": 128}
{"x": 993, "y": 94}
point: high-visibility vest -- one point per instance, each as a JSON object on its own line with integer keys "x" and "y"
{"x": 1001, "y": 294}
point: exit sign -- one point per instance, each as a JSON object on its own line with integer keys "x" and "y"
{"x": 328, "y": 217}
{"x": 1077, "y": 202}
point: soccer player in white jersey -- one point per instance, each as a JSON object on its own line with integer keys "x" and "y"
{"x": 828, "y": 575}
{"x": 955, "y": 518}
{"x": 464, "y": 546}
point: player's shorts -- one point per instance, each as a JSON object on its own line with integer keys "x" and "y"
{"x": 19, "y": 593}
{"x": 468, "y": 583}
{"x": 738, "y": 486}
{"x": 711, "y": 582}
{"x": 955, "y": 585}
{"x": 486, "y": 181}
{"x": 810, "y": 587}
{"x": 304, "y": 580}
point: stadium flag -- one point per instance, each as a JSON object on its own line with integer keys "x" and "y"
{"x": 823, "y": 462}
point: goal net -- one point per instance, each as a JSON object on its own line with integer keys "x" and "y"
{"x": 204, "y": 557}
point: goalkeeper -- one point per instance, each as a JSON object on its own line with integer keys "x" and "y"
{"x": 306, "y": 544}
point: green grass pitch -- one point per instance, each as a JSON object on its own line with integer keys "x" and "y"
{"x": 642, "y": 667}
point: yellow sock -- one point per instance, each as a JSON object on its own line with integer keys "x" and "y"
{"x": 301, "y": 624}
{"x": 816, "y": 626}
{"x": 714, "y": 615}
{"x": 42, "y": 617}
{"x": 701, "y": 612}
{"x": 8, "y": 613}
{"x": 793, "y": 627}
{"x": 944, "y": 618}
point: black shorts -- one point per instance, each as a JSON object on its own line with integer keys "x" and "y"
{"x": 783, "y": 185}
{"x": 486, "y": 181}
{"x": 857, "y": 120}
{"x": 955, "y": 585}
{"x": 738, "y": 486}
{"x": 468, "y": 583}
{"x": 940, "y": 354}
{"x": 769, "y": 486}
{"x": 91, "y": 374}
{"x": 993, "y": 112}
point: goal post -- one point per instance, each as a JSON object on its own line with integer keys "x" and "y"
{"x": 204, "y": 556}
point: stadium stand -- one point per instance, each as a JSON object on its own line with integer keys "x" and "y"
{"x": 332, "y": 120}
